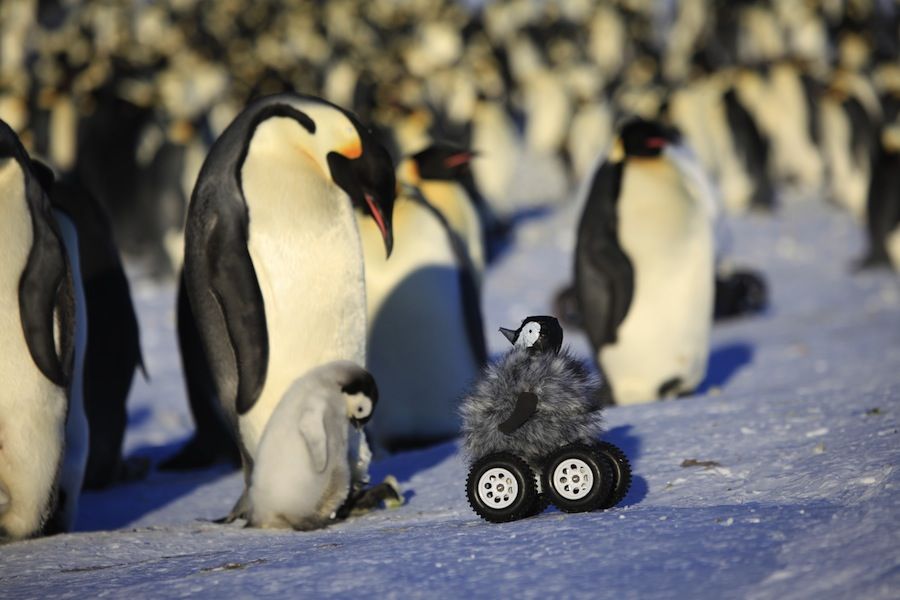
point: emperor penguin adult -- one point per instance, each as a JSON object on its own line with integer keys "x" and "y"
{"x": 273, "y": 265}
{"x": 77, "y": 442}
{"x": 112, "y": 353}
{"x": 37, "y": 343}
{"x": 313, "y": 457}
{"x": 644, "y": 268}
{"x": 426, "y": 337}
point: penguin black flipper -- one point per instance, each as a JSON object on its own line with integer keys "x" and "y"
{"x": 212, "y": 441}
{"x": 235, "y": 318}
{"x": 882, "y": 206}
{"x": 113, "y": 349}
{"x": 752, "y": 148}
{"x": 526, "y": 406}
{"x": 604, "y": 276}
{"x": 45, "y": 286}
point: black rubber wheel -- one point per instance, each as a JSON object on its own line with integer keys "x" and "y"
{"x": 501, "y": 487}
{"x": 621, "y": 470}
{"x": 577, "y": 478}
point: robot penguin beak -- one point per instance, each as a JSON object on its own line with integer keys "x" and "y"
{"x": 510, "y": 334}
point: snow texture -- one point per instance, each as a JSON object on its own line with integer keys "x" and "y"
{"x": 778, "y": 480}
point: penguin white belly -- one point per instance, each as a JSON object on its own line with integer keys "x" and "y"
{"x": 497, "y": 146}
{"x": 306, "y": 253}
{"x": 667, "y": 235}
{"x": 794, "y": 155}
{"x": 589, "y": 136}
{"x": 453, "y": 203}
{"x": 32, "y": 408}
{"x": 547, "y": 106}
{"x": 419, "y": 351}
{"x": 77, "y": 433}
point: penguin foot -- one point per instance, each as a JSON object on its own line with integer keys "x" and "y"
{"x": 740, "y": 293}
{"x": 386, "y": 493}
{"x": 241, "y": 510}
{"x": 872, "y": 260}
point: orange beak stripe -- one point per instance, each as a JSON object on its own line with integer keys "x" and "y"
{"x": 379, "y": 220}
{"x": 457, "y": 159}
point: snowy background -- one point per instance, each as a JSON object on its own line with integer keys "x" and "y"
{"x": 795, "y": 428}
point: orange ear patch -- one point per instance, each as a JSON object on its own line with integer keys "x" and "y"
{"x": 351, "y": 150}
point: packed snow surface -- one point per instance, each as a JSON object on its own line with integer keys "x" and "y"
{"x": 777, "y": 480}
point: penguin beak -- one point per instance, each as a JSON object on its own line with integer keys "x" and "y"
{"x": 458, "y": 159}
{"x": 383, "y": 220}
{"x": 509, "y": 334}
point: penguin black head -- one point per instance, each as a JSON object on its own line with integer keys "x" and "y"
{"x": 362, "y": 396}
{"x": 645, "y": 138}
{"x": 537, "y": 333}
{"x": 338, "y": 142}
{"x": 443, "y": 161}
{"x": 368, "y": 178}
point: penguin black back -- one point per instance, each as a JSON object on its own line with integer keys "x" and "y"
{"x": 113, "y": 350}
{"x": 604, "y": 276}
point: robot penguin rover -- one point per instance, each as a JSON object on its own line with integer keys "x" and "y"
{"x": 530, "y": 431}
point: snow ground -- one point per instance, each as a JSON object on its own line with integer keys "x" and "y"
{"x": 799, "y": 411}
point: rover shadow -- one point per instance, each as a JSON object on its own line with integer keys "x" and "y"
{"x": 623, "y": 437}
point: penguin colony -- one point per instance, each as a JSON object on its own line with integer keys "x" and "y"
{"x": 139, "y": 107}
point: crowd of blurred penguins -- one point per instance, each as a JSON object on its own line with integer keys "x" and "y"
{"x": 160, "y": 130}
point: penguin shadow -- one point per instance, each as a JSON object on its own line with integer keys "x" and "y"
{"x": 405, "y": 465}
{"x": 124, "y": 503}
{"x": 724, "y": 362}
{"x": 630, "y": 444}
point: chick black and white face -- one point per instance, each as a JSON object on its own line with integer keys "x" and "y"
{"x": 531, "y": 333}
{"x": 537, "y": 333}
{"x": 361, "y": 395}
{"x": 359, "y": 408}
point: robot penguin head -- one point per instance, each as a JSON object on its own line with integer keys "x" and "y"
{"x": 537, "y": 333}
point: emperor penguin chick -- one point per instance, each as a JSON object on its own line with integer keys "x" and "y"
{"x": 308, "y": 462}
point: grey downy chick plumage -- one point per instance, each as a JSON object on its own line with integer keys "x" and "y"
{"x": 534, "y": 400}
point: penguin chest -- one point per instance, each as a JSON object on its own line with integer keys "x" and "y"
{"x": 667, "y": 234}
{"x": 305, "y": 249}
{"x": 462, "y": 217}
{"x": 32, "y": 408}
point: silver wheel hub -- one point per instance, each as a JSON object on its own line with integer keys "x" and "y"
{"x": 498, "y": 488}
{"x": 573, "y": 479}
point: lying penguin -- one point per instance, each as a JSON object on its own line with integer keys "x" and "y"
{"x": 312, "y": 468}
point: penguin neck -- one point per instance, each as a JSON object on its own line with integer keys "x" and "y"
{"x": 284, "y": 136}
